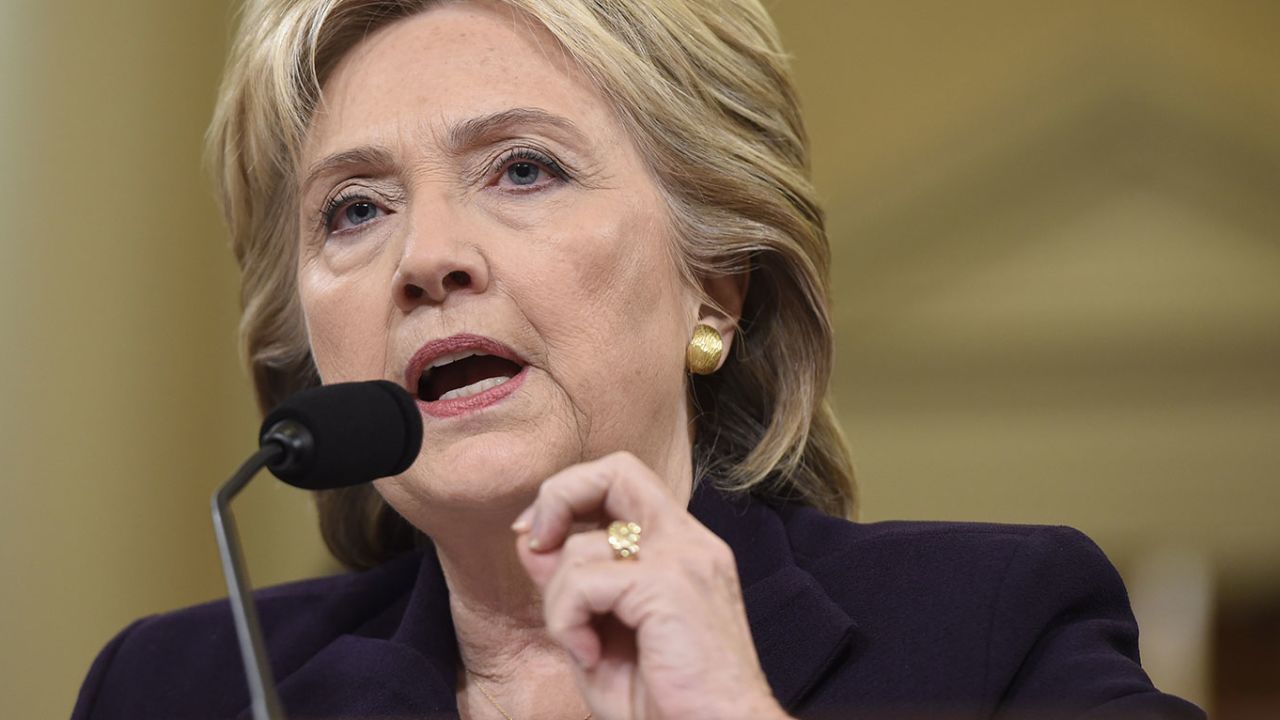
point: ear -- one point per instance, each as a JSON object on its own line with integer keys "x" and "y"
{"x": 722, "y": 308}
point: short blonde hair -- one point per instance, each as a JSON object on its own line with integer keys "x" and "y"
{"x": 704, "y": 89}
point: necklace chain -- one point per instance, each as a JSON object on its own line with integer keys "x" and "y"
{"x": 484, "y": 691}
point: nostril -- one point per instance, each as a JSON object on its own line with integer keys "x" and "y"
{"x": 415, "y": 291}
{"x": 457, "y": 279}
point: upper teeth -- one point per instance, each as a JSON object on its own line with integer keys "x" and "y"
{"x": 452, "y": 357}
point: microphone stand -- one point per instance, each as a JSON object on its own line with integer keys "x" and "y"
{"x": 265, "y": 702}
{"x": 366, "y": 413}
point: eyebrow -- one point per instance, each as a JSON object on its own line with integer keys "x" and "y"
{"x": 479, "y": 130}
{"x": 367, "y": 155}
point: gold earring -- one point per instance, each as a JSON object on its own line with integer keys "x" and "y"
{"x": 705, "y": 348}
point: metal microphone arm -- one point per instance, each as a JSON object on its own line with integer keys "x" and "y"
{"x": 257, "y": 669}
{"x": 375, "y": 430}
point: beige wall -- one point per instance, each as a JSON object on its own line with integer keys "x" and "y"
{"x": 1057, "y": 279}
{"x": 123, "y": 402}
{"x": 1055, "y": 240}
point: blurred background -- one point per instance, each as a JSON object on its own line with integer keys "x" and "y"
{"x": 1056, "y": 231}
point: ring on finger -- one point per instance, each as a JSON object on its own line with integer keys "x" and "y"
{"x": 624, "y": 538}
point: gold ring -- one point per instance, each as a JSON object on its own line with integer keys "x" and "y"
{"x": 624, "y": 538}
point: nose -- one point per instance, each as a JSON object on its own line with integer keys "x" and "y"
{"x": 437, "y": 261}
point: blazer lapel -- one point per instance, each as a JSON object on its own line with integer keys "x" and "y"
{"x": 799, "y": 632}
{"x": 402, "y": 663}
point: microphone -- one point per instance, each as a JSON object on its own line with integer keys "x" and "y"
{"x": 327, "y": 437}
{"x": 344, "y": 434}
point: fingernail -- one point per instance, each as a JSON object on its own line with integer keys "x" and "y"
{"x": 534, "y": 543}
{"x": 524, "y": 521}
{"x": 535, "y": 529}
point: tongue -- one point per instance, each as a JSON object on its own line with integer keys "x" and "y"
{"x": 465, "y": 372}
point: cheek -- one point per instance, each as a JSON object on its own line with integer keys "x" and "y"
{"x": 611, "y": 307}
{"x": 618, "y": 270}
{"x": 346, "y": 324}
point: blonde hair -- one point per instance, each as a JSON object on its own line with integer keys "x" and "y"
{"x": 704, "y": 89}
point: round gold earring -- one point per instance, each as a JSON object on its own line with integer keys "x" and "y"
{"x": 705, "y": 348}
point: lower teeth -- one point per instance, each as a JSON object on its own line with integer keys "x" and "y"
{"x": 474, "y": 388}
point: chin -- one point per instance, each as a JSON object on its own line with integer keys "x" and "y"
{"x": 492, "y": 472}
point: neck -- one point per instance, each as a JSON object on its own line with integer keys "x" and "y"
{"x": 502, "y": 641}
{"x": 496, "y": 608}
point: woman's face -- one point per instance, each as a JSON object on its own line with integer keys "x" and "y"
{"x": 464, "y": 189}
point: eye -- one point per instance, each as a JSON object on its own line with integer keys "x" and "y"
{"x": 523, "y": 173}
{"x": 347, "y": 212}
{"x": 527, "y": 170}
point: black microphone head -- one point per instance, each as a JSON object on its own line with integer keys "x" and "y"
{"x": 344, "y": 434}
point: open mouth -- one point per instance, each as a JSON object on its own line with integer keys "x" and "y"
{"x": 464, "y": 374}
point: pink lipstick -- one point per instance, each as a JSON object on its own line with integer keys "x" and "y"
{"x": 463, "y": 373}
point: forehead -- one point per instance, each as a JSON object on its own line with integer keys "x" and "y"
{"x": 449, "y": 63}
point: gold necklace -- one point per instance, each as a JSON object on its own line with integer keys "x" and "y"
{"x": 476, "y": 678}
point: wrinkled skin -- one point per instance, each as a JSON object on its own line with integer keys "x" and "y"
{"x": 462, "y": 176}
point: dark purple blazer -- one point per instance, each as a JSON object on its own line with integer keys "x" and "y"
{"x": 893, "y": 619}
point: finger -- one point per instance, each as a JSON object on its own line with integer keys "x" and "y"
{"x": 582, "y": 548}
{"x": 618, "y": 486}
{"x": 578, "y": 549}
{"x": 579, "y": 594}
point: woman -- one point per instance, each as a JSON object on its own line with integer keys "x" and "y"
{"x": 582, "y": 233}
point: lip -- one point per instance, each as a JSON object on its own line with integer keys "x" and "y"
{"x": 458, "y": 343}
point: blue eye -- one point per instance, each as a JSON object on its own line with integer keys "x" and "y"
{"x": 347, "y": 212}
{"x": 361, "y": 212}
{"x": 523, "y": 173}
{"x": 527, "y": 170}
